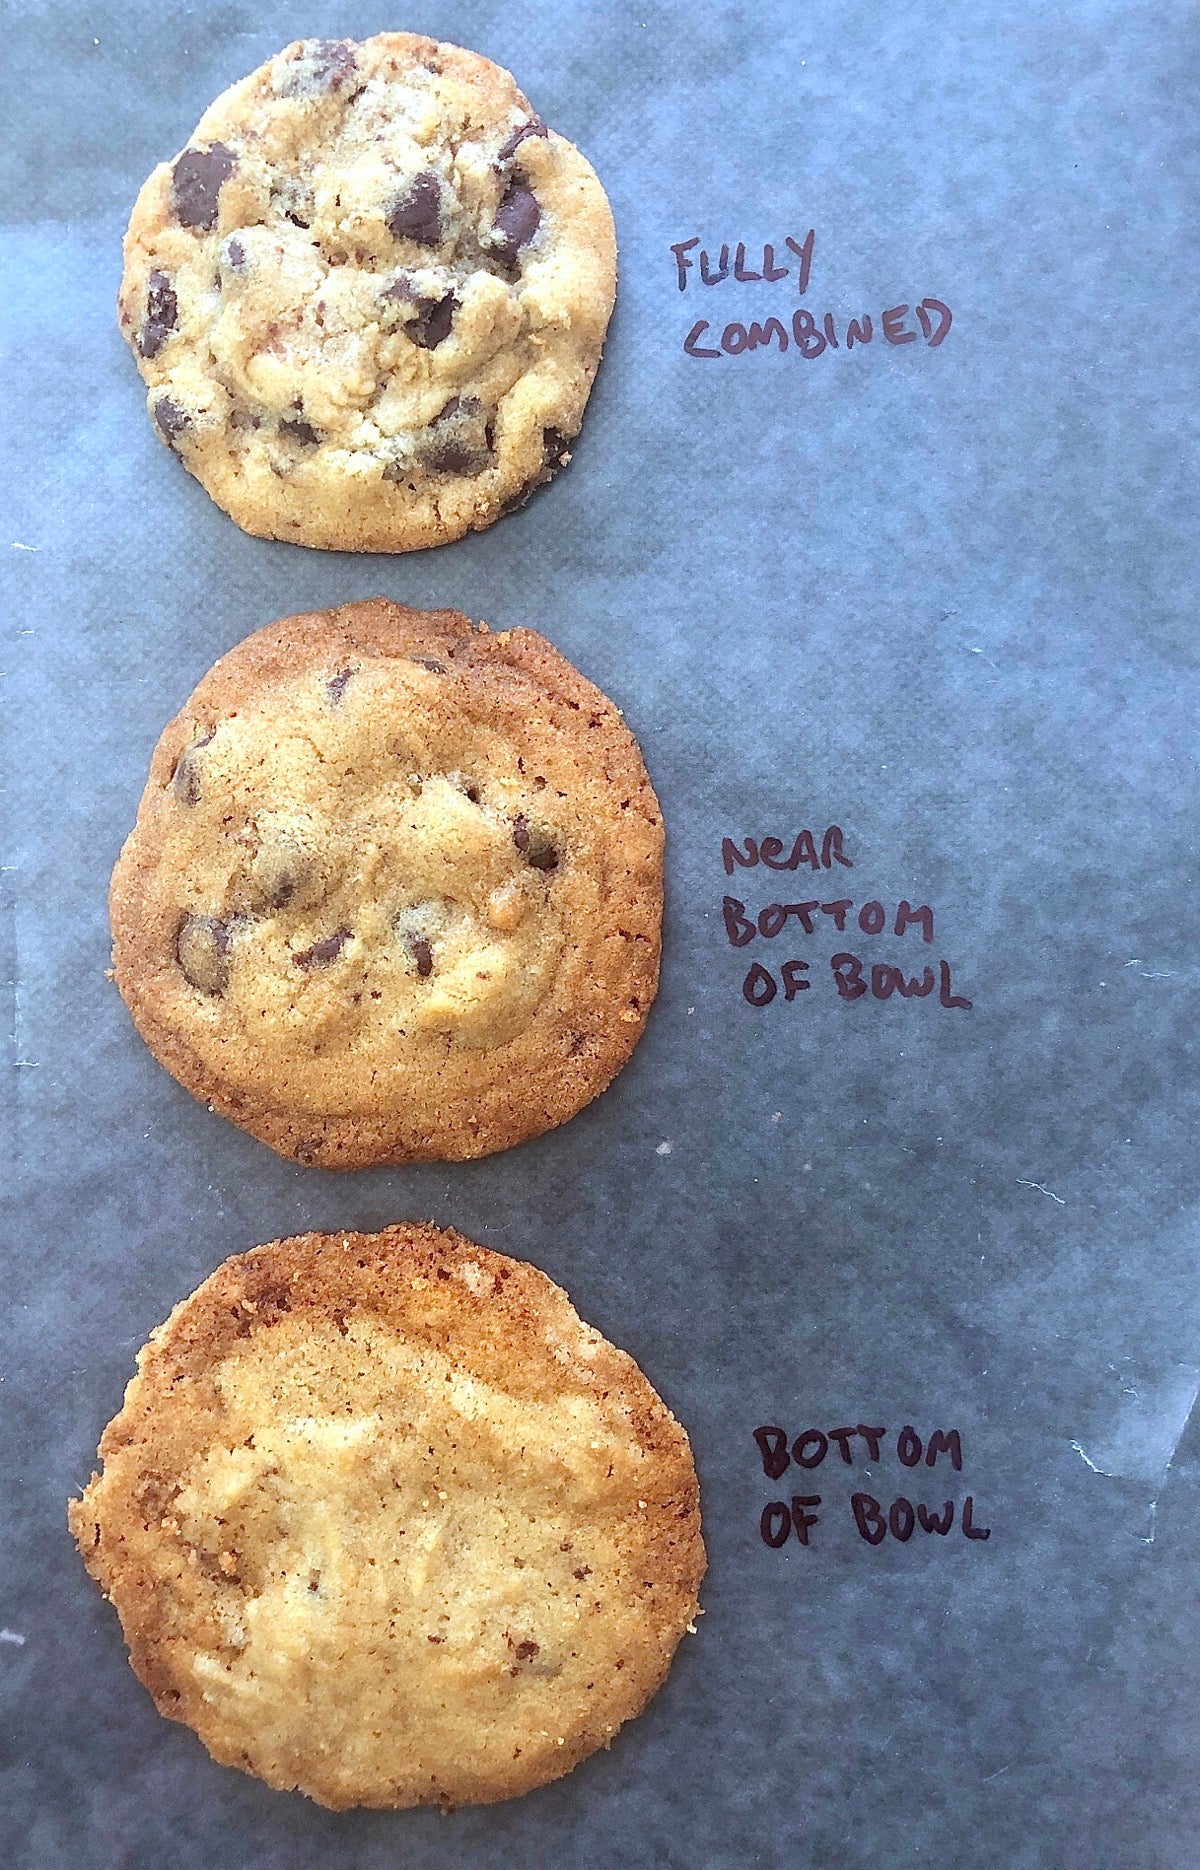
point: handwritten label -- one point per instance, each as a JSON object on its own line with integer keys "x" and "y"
{"x": 926, "y": 321}
{"x": 851, "y": 975}
{"x": 875, "y": 1520}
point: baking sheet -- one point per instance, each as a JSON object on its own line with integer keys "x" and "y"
{"x": 940, "y": 596}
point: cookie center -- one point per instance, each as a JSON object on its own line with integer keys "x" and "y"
{"x": 353, "y": 865}
{"x": 369, "y": 1499}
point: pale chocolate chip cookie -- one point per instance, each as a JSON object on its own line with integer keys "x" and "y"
{"x": 395, "y": 889}
{"x": 384, "y": 1520}
{"x": 369, "y": 298}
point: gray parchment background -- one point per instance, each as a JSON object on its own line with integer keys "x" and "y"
{"x": 943, "y": 598}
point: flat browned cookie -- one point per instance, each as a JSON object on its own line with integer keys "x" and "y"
{"x": 369, "y": 298}
{"x": 384, "y": 1520}
{"x": 394, "y": 893}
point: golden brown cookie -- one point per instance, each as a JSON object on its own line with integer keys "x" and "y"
{"x": 384, "y": 1520}
{"x": 369, "y": 298}
{"x": 394, "y": 893}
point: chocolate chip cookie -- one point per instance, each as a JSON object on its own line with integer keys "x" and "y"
{"x": 395, "y": 889}
{"x": 369, "y": 298}
{"x": 384, "y": 1520}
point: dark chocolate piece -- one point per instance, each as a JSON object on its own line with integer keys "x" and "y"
{"x": 536, "y": 847}
{"x": 185, "y": 781}
{"x": 323, "y": 952}
{"x": 417, "y": 214}
{"x": 202, "y": 949}
{"x": 196, "y": 182}
{"x": 517, "y": 220}
{"x": 162, "y": 311}
{"x": 512, "y": 142}
{"x": 171, "y": 419}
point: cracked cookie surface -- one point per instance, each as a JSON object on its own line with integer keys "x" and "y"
{"x": 369, "y": 298}
{"x": 384, "y": 1520}
{"x": 395, "y": 889}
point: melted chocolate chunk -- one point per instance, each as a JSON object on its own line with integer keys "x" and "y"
{"x": 460, "y": 438}
{"x": 202, "y": 949}
{"x": 536, "y": 847}
{"x": 556, "y": 453}
{"x": 324, "y": 67}
{"x": 298, "y": 430}
{"x": 277, "y": 876}
{"x": 435, "y": 317}
{"x": 404, "y": 288}
{"x": 322, "y": 952}
{"x": 285, "y": 874}
{"x": 512, "y": 142}
{"x": 162, "y": 310}
{"x": 434, "y": 323}
{"x": 185, "y": 781}
{"x": 422, "y": 954}
{"x": 515, "y": 501}
{"x": 417, "y": 214}
{"x": 556, "y": 448}
{"x": 517, "y": 220}
{"x": 334, "y": 62}
{"x": 196, "y": 184}
{"x": 279, "y": 888}
{"x": 171, "y": 419}
{"x": 335, "y": 687}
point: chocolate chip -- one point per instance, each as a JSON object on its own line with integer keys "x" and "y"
{"x": 235, "y": 254}
{"x": 512, "y": 142}
{"x": 171, "y": 419}
{"x": 404, "y": 288}
{"x": 334, "y": 61}
{"x": 459, "y": 438}
{"x": 185, "y": 781}
{"x": 335, "y": 687}
{"x": 281, "y": 890}
{"x": 536, "y": 847}
{"x": 323, "y": 952}
{"x": 434, "y": 318}
{"x": 422, "y": 954}
{"x": 162, "y": 310}
{"x": 430, "y": 663}
{"x": 556, "y": 453}
{"x": 297, "y": 430}
{"x": 202, "y": 949}
{"x": 417, "y": 213}
{"x": 556, "y": 448}
{"x": 434, "y": 323}
{"x": 323, "y": 66}
{"x": 196, "y": 183}
{"x": 517, "y": 220}
{"x": 527, "y": 1650}
{"x": 283, "y": 873}
{"x": 519, "y": 499}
